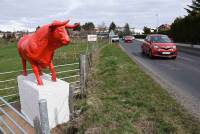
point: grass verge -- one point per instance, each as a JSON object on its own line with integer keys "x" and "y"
{"x": 123, "y": 99}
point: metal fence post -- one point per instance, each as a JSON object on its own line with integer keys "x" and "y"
{"x": 83, "y": 74}
{"x": 37, "y": 125}
{"x": 71, "y": 101}
{"x": 44, "y": 116}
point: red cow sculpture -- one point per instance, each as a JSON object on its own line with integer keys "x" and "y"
{"x": 38, "y": 48}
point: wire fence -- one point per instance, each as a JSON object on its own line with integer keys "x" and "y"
{"x": 67, "y": 67}
{"x": 66, "y": 61}
{"x": 71, "y": 66}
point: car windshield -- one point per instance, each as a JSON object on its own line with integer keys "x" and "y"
{"x": 128, "y": 36}
{"x": 160, "y": 39}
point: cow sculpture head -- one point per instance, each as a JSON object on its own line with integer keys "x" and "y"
{"x": 59, "y": 33}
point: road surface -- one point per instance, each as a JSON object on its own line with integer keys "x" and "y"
{"x": 181, "y": 77}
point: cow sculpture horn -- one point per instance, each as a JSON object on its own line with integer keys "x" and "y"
{"x": 72, "y": 26}
{"x": 58, "y": 24}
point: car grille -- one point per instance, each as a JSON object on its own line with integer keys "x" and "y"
{"x": 166, "y": 48}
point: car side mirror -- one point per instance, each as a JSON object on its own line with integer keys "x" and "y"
{"x": 148, "y": 41}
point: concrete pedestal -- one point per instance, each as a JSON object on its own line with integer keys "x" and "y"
{"x": 55, "y": 93}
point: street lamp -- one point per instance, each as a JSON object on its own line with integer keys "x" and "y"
{"x": 157, "y": 20}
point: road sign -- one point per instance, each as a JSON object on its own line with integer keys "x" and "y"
{"x": 92, "y": 38}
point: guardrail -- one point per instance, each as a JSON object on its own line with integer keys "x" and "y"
{"x": 11, "y": 119}
{"x": 40, "y": 126}
{"x": 188, "y": 45}
{"x": 189, "y": 48}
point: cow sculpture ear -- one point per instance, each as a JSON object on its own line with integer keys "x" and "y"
{"x": 56, "y": 24}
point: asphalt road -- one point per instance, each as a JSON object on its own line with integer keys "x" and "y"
{"x": 181, "y": 77}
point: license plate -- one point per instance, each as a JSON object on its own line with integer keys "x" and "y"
{"x": 166, "y": 53}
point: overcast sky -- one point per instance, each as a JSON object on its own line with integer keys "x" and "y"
{"x": 27, "y": 14}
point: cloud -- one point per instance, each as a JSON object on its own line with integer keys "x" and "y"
{"x": 14, "y": 26}
{"x": 138, "y": 13}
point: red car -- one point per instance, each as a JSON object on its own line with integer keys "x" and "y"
{"x": 128, "y": 39}
{"x": 157, "y": 45}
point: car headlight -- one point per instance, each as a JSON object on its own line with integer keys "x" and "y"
{"x": 156, "y": 47}
{"x": 174, "y": 47}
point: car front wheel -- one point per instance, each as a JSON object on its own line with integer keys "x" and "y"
{"x": 142, "y": 51}
{"x": 150, "y": 54}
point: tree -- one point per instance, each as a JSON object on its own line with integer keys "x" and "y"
{"x": 146, "y": 30}
{"x": 88, "y": 26}
{"x": 186, "y": 29}
{"x": 126, "y": 30}
{"x": 112, "y": 27}
{"x": 194, "y": 8}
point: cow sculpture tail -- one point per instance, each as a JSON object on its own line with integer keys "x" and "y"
{"x": 20, "y": 49}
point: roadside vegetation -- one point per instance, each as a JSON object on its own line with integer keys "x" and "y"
{"x": 122, "y": 99}
{"x": 186, "y": 29}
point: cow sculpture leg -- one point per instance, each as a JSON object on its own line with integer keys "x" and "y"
{"x": 53, "y": 72}
{"x": 24, "y": 67}
{"x": 37, "y": 74}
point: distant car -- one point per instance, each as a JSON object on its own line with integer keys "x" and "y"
{"x": 115, "y": 38}
{"x": 157, "y": 45}
{"x": 102, "y": 35}
{"x": 129, "y": 39}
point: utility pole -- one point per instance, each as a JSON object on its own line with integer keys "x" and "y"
{"x": 157, "y": 19}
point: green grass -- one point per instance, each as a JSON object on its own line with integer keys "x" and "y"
{"x": 10, "y": 60}
{"x": 122, "y": 99}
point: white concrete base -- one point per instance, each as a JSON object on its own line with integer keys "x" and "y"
{"x": 56, "y": 94}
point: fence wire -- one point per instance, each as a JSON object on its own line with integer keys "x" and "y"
{"x": 66, "y": 60}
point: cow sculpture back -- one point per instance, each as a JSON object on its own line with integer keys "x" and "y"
{"x": 38, "y": 48}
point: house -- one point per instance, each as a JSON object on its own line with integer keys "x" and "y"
{"x": 138, "y": 31}
{"x": 1, "y": 34}
{"x": 8, "y": 35}
{"x": 164, "y": 27}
